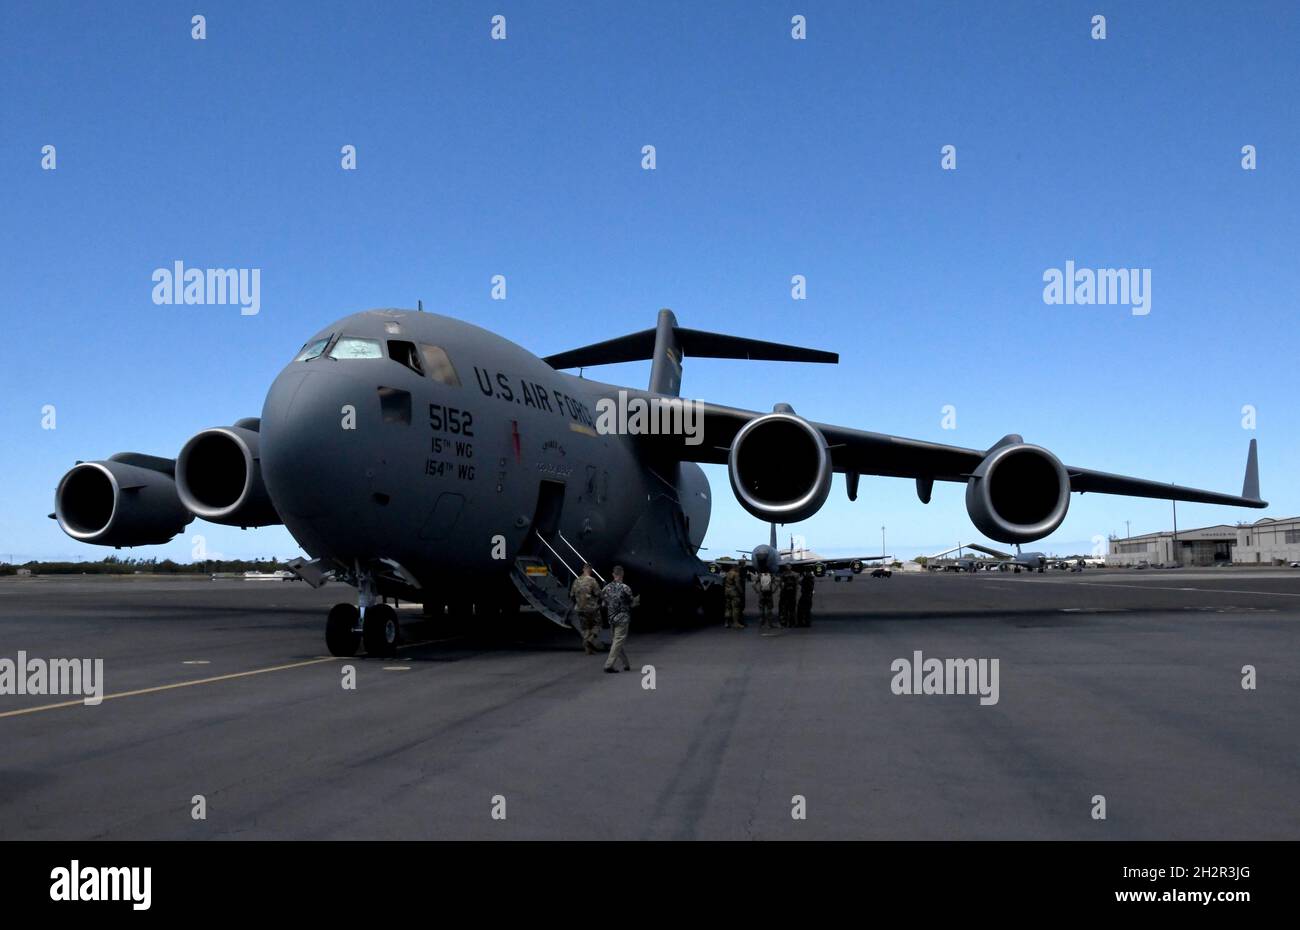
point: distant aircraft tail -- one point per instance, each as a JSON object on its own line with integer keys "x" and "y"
{"x": 668, "y": 343}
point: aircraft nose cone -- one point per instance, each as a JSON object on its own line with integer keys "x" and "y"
{"x": 305, "y": 458}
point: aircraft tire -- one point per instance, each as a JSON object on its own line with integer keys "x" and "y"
{"x": 381, "y": 631}
{"x": 340, "y": 638}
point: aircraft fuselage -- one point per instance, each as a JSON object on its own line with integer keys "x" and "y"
{"x": 447, "y": 470}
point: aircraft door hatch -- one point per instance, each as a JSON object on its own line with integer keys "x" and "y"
{"x": 550, "y": 503}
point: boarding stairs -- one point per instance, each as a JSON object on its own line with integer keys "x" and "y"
{"x": 543, "y": 576}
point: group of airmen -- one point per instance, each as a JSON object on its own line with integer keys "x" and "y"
{"x": 618, "y": 601}
{"x": 793, "y": 593}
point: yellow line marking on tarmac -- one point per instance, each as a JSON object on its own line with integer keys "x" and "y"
{"x": 178, "y": 684}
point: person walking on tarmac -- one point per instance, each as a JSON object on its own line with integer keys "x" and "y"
{"x": 619, "y": 602}
{"x": 586, "y": 601}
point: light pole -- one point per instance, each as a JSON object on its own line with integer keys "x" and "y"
{"x": 882, "y": 540}
{"x": 1173, "y": 549}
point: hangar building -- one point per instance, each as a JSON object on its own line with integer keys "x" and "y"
{"x": 1267, "y": 541}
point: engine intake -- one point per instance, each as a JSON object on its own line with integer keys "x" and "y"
{"x": 112, "y": 503}
{"x": 219, "y": 477}
{"x": 1019, "y": 493}
{"x": 780, "y": 468}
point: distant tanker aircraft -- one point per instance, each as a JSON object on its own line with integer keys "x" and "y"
{"x": 419, "y": 457}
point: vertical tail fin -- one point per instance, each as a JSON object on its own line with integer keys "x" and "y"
{"x": 666, "y": 362}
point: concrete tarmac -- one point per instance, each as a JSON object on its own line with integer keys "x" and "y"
{"x": 1120, "y": 684}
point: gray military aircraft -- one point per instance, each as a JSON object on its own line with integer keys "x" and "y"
{"x": 419, "y": 457}
{"x": 768, "y": 558}
{"x": 1034, "y": 561}
{"x": 942, "y": 560}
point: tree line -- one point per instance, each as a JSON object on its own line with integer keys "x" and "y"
{"x": 116, "y": 565}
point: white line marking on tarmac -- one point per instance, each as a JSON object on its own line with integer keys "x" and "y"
{"x": 196, "y": 662}
{"x": 1148, "y": 587}
{"x": 179, "y": 684}
{"x": 397, "y": 668}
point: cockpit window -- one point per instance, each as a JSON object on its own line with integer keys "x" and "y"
{"x": 404, "y": 352}
{"x": 356, "y": 347}
{"x": 312, "y": 350}
{"x": 438, "y": 365}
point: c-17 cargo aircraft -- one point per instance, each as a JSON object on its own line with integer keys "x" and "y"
{"x": 419, "y": 457}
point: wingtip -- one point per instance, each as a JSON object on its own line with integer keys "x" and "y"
{"x": 1250, "y": 485}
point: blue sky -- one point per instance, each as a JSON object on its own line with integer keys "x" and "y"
{"x": 775, "y": 157}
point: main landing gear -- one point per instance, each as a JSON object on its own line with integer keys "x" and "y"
{"x": 373, "y": 624}
{"x": 341, "y": 635}
{"x": 346, "y": 629}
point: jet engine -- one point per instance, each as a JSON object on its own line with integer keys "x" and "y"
{"x": 1019, "y": 493}
{"x": 780, "y": 468}
{"x": 115, "y": 503}
{"x": 219, "y": 476}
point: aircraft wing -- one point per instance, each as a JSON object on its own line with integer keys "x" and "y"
{"x": 833, "y": 564}
{"x": 993, "y": 552}
{"x": 864, "y": 453}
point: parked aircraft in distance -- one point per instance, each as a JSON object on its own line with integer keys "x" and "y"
{"x": 768, "y": 558}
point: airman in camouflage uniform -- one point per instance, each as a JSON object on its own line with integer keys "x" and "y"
{"x": 789, "y": 589}
{"x": 733, "y": 589}
{"x": 804, "y": 612}
{"x": 586, "y": 601}
{"x": 765, "y": 585}
{"x": 618, "y": 607}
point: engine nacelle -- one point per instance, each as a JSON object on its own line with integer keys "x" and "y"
{"x": 1019, "y": 493}
{"x": 780, "y": 468}
{"x": 112, "y": 503}
{"x": 219, "y": 477}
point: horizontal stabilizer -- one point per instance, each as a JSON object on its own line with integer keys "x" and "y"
{"x": 638, "y": 347}
{"x": 700, "y": 344}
